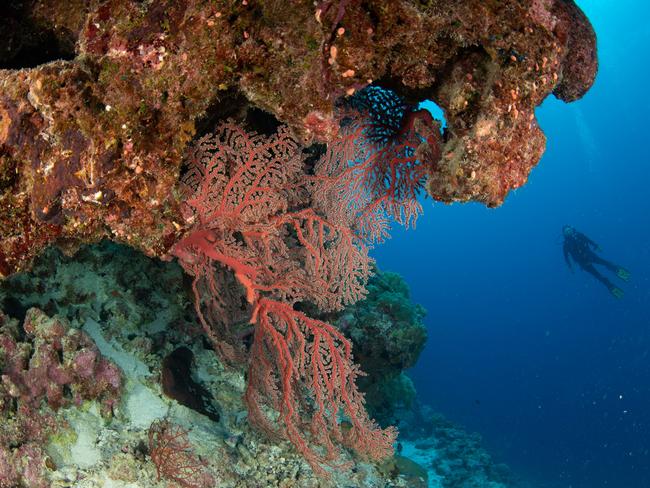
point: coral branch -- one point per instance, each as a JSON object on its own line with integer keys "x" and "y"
{"x": 171, "y": 451}
{"x": 298, "y": 353}
{"x": 259, "y": 235}
{"x": 378, "y": 166}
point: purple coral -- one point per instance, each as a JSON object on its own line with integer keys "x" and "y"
{"x": 48, "y": 367}
{"x": 58, "y": 358}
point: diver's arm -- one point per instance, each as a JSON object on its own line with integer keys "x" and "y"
{"x": 566, "y": 256}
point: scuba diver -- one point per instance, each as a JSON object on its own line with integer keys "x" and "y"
{"x": 581, "y": 249}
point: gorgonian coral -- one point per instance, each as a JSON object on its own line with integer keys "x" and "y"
{"x": 171, "y": 451}
{"x": 378, "y": 165}
{"x": 262, "y": 244}
{"x": 268, "y": 236}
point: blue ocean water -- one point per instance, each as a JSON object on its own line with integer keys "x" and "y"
{"x": 550, "y": 369}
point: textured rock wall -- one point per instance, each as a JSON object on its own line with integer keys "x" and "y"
{"x": 100, "y": 99}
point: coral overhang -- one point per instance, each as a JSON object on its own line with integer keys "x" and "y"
{"x": 91, "y": 146}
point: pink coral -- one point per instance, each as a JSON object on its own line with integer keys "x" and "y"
{"x": 31, "y": 461}
{"x": 32, "y": 373}
{"x": 8, "y": 474}
{"x": 48, "y": 367}
{"x": 540, "y": 11}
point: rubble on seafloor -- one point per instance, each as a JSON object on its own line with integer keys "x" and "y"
{"x": 454, "y": 457}
{"x": 129, "y": 313}
{"x": 99, "y": 100}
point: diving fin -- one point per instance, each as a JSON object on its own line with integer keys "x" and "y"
{"x": 616, "y": 291}
{"x": 623, "y": 274}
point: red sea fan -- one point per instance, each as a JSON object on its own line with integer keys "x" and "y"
{"x": 258, "y": 249}
{"x": 377, "y": 167}
{"x": 171, "y": 451}
{"x": 309, "y": 355}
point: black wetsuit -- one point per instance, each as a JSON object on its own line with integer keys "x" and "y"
{"x": 579, "y": 247}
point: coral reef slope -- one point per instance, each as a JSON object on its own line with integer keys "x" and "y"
{"x": 99, "y": 100}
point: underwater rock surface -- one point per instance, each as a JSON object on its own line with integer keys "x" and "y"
{"x": 98, "y": 101}
{"x": 45, "y": 366}
{"x": 136, "y": 311}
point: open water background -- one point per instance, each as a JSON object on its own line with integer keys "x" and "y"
{"x": 551, "y": 370}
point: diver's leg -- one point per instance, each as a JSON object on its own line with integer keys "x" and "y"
{"x": 621, "y": 272}
{"x": 613, "y": 289}
{"x": 595, "y": 259}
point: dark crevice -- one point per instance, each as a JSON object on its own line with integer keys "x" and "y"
{"x": 261, "y": 122}
{"x": 231, "y": 104}
{"x": 24, "y": 43}
{"x": 13, "y": 307}
{"x": 312, "y": 154}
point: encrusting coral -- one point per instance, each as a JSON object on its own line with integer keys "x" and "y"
{"x": 45, "y": 365}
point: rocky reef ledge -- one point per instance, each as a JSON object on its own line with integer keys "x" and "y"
{"x": 99, "y": 99}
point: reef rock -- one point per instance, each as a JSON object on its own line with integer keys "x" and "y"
{"x": 99, "y": 100}
{"x": 137, "y": 312}
{"x": 45, "y": 365}
{"x": 388, "y": 334}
